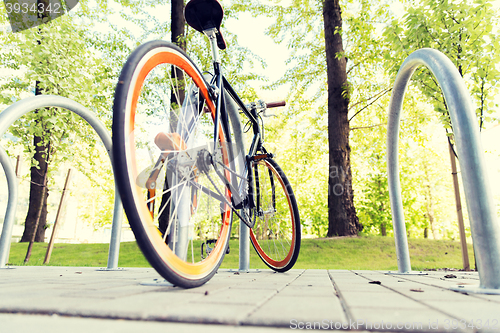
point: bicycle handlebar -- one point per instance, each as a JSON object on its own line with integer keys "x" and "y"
{"x": 275, "y": 104}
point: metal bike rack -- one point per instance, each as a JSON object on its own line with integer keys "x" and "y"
{"x": 11, "y": 207}
{"x": 244, "y": 239}
{"x": 485, "y": 227}
{"x": 7, "y": 118}
{"x": 18, "y": 109}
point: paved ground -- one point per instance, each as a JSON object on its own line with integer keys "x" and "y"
{"x": 62, "y": 299}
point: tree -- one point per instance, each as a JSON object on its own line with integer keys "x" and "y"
{"x": 52, "y": 59}
{"x": 37, "y": 212}
{"x": 82, "y": 63}
{"x": 420, "y": 180}
{"x": 300, "y": 26}
{"x": 464, "y": 31}
{"x": 178, "y": 23}
{"x": 341, "y": 212}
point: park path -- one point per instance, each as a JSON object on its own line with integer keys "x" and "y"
{"x": 82, "y": 299}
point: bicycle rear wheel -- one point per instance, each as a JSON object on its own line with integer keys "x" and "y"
{"x": 276, "y": 234}
{"x": 163, "y": 145}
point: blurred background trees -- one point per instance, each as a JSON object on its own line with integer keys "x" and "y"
{"x": 81, "y": 54}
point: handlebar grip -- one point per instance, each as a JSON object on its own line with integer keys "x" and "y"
{"x": 275, "y": 104}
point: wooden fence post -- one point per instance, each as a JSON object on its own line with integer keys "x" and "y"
{"x": 458, "y": 201}
{"x": 56, "y": 223}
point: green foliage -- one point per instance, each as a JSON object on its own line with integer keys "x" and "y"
{"x": 374, "y": 208}
{"x": 464, "y": 31}
{"x": 237, "y": 61}
{"x": 300, "y": 135}
{"x": 424, "y": 170}
{"x": 80, "y": 56}
{"x": 460, "y": 29}
{"x": 57, "y": 58}
{"x": 376, "y": 253}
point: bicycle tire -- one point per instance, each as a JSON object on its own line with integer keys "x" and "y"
{"x": 155, "y": 68}
{"x": 276, "y": 235}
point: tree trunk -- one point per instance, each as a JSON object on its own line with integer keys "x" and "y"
{"x": 36, "y": 193}
{"x": 458, "y": 202}
{"x": 383, "y": 229}
{"x": 178, "y": 23}
{"x": 36, "y": 189}
{"x": 177, "y": 36}
{"x": 342, "y": 219}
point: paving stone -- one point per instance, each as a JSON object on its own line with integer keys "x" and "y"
{"x": 488, "y": 327}
{"x": 470, "y": 310}
{"x": 57, "y": 324}
{"x": 361, "y": 285}
{"x": 386, "y": 300}
{"x": 253, "y": 285}
{"x": 109, "y": 293}
{"x": 419, "y": 289}
{"x": 237, "y": 296}
{"x": 299, "y": 290}
{"x": 259, "y": 299}
{"x": 340, "y": 271}
{"x": 155, "y": 302}
{"x": 200, "y": 312}
{"x": 442, "y": 282}
{"x": 491, "y": 298}
{"x": 283, "y": 310}
{"x": 316, "y": 280}
{"x": 402, "y": 320}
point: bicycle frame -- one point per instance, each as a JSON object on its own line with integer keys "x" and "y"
{"x": 217, "y": 86}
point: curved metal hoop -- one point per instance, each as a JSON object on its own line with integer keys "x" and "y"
{"x": 8, "y": 222}
{"x": 485, "y": 228}
{"x": 7, "y": 118}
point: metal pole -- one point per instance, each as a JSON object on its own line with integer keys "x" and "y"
{"x": 18, "y": 109}
{"x": 399, "y": 226}
{"x": 244, "y": 237}
{"x": 485, "y": 228}
{"x": 116, "y": 233}
{"x": 10, "y": 213}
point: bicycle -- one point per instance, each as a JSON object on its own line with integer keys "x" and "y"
{"x": 182, "y": 173}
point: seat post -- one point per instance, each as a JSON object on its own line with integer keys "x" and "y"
{"x": 212, "y": 36}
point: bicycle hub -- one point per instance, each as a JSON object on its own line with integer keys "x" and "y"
{"x": 204, "y": 160}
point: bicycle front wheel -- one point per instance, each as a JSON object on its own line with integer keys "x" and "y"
{"x": 276, "y": 234}
{"x": 164, "y": 155}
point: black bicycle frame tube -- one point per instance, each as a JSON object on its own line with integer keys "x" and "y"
{"x": 234, "y": 95}
{"x": 256, "y": 142}
{"x": 218, "y": 106}
{"x": 222, "y": 84}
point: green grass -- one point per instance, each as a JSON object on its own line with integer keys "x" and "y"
{"x": 364, "y": 253}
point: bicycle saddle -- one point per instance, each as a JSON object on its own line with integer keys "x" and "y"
{"x": 205, "y": 14}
